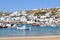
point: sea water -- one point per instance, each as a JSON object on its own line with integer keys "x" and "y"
{"x": 35, "y": 31}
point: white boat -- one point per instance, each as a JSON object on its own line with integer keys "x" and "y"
{"x": 23, "y": 28}
{"x": 53, "y": 25}
{"x": 13, "y": 25}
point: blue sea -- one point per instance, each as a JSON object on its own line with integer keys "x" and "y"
{"x": 35, "y": 31}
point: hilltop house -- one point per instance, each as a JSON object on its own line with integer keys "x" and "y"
{"x": 58, "y": 10}
{"x": 15, "y": 13}
{"x": 49, "y": 14}
{"x": 23, "y": 13}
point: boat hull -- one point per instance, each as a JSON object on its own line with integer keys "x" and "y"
{"x": 3, "y": 27}
{"x": 22, "y": 28}
{"x": 34, "y": 24}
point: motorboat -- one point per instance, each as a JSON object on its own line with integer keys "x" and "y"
{"x": 23, "y": 28}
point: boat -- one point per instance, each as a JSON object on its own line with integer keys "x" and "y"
{"x": 53, "y": 25}
{"x": 5, "y": 27}
{"x": 23, "y": 28}
{"x": 13, "y": 25}
{"x": 35, "y": 24}
{"x": 1, "y": 26}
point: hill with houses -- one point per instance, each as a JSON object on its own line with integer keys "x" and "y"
{"x": 36, "y": 12}
{"x": 30, "y": 16}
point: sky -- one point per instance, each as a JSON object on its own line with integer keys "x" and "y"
{"x": 17, "y": 5}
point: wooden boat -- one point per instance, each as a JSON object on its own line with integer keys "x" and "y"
{"x": 35, "y": 24}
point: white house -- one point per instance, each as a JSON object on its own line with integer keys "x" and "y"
{"x": 42, "y": 17}
{"x": 23, "y": 19}
{"x": 2, "y": 18}
{"x": 48, "y": 14}
{"x": 23, "y": 13}
{"x": 17, "y": 18}
{"x": 7, "y": 19}
{"x": 15, "y": 13}
{"x": 58, "y": 10}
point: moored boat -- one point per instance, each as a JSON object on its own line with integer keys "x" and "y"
{"x": 23, "y": 28}
{"x": 4, "y": 27}
{"x": 35, "y": 24}
{"x": 1, "y": 27}
{"x": 53, "y": 25}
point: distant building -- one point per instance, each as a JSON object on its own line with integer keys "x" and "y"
{"x": 48, "y": 14}
{"x": 15, "y": 13}
{"x": 58, "y": 10}
{"x": 42, "y": 17}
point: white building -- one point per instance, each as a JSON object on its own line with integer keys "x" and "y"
{"x": 58, "y": 10}
{"x": 23, "y": 13}
{"x": 48, "y": 14}
{"x": 34, "y": 9}
{"x": 2, "y": 18}
{"x": 23, "y": 19}
{"x": 17, "y": 18}
{"x": 42, "y": 17}
{"x": 7, "y": 19}
{"x": 15, "y": 13}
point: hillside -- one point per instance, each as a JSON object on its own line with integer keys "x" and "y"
{"x": 36, "y": 12}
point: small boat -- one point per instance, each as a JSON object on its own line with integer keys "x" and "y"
{"x": 5, "y": 27}
{"x": 53, "y": 25}
{"x": 1, "y": 26}
{"x": 23, "y": 28}
{"x": 13, "y": 25}
{"x": 35, "y": 24}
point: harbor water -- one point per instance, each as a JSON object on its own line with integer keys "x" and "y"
{"x": 35, "y": 31}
